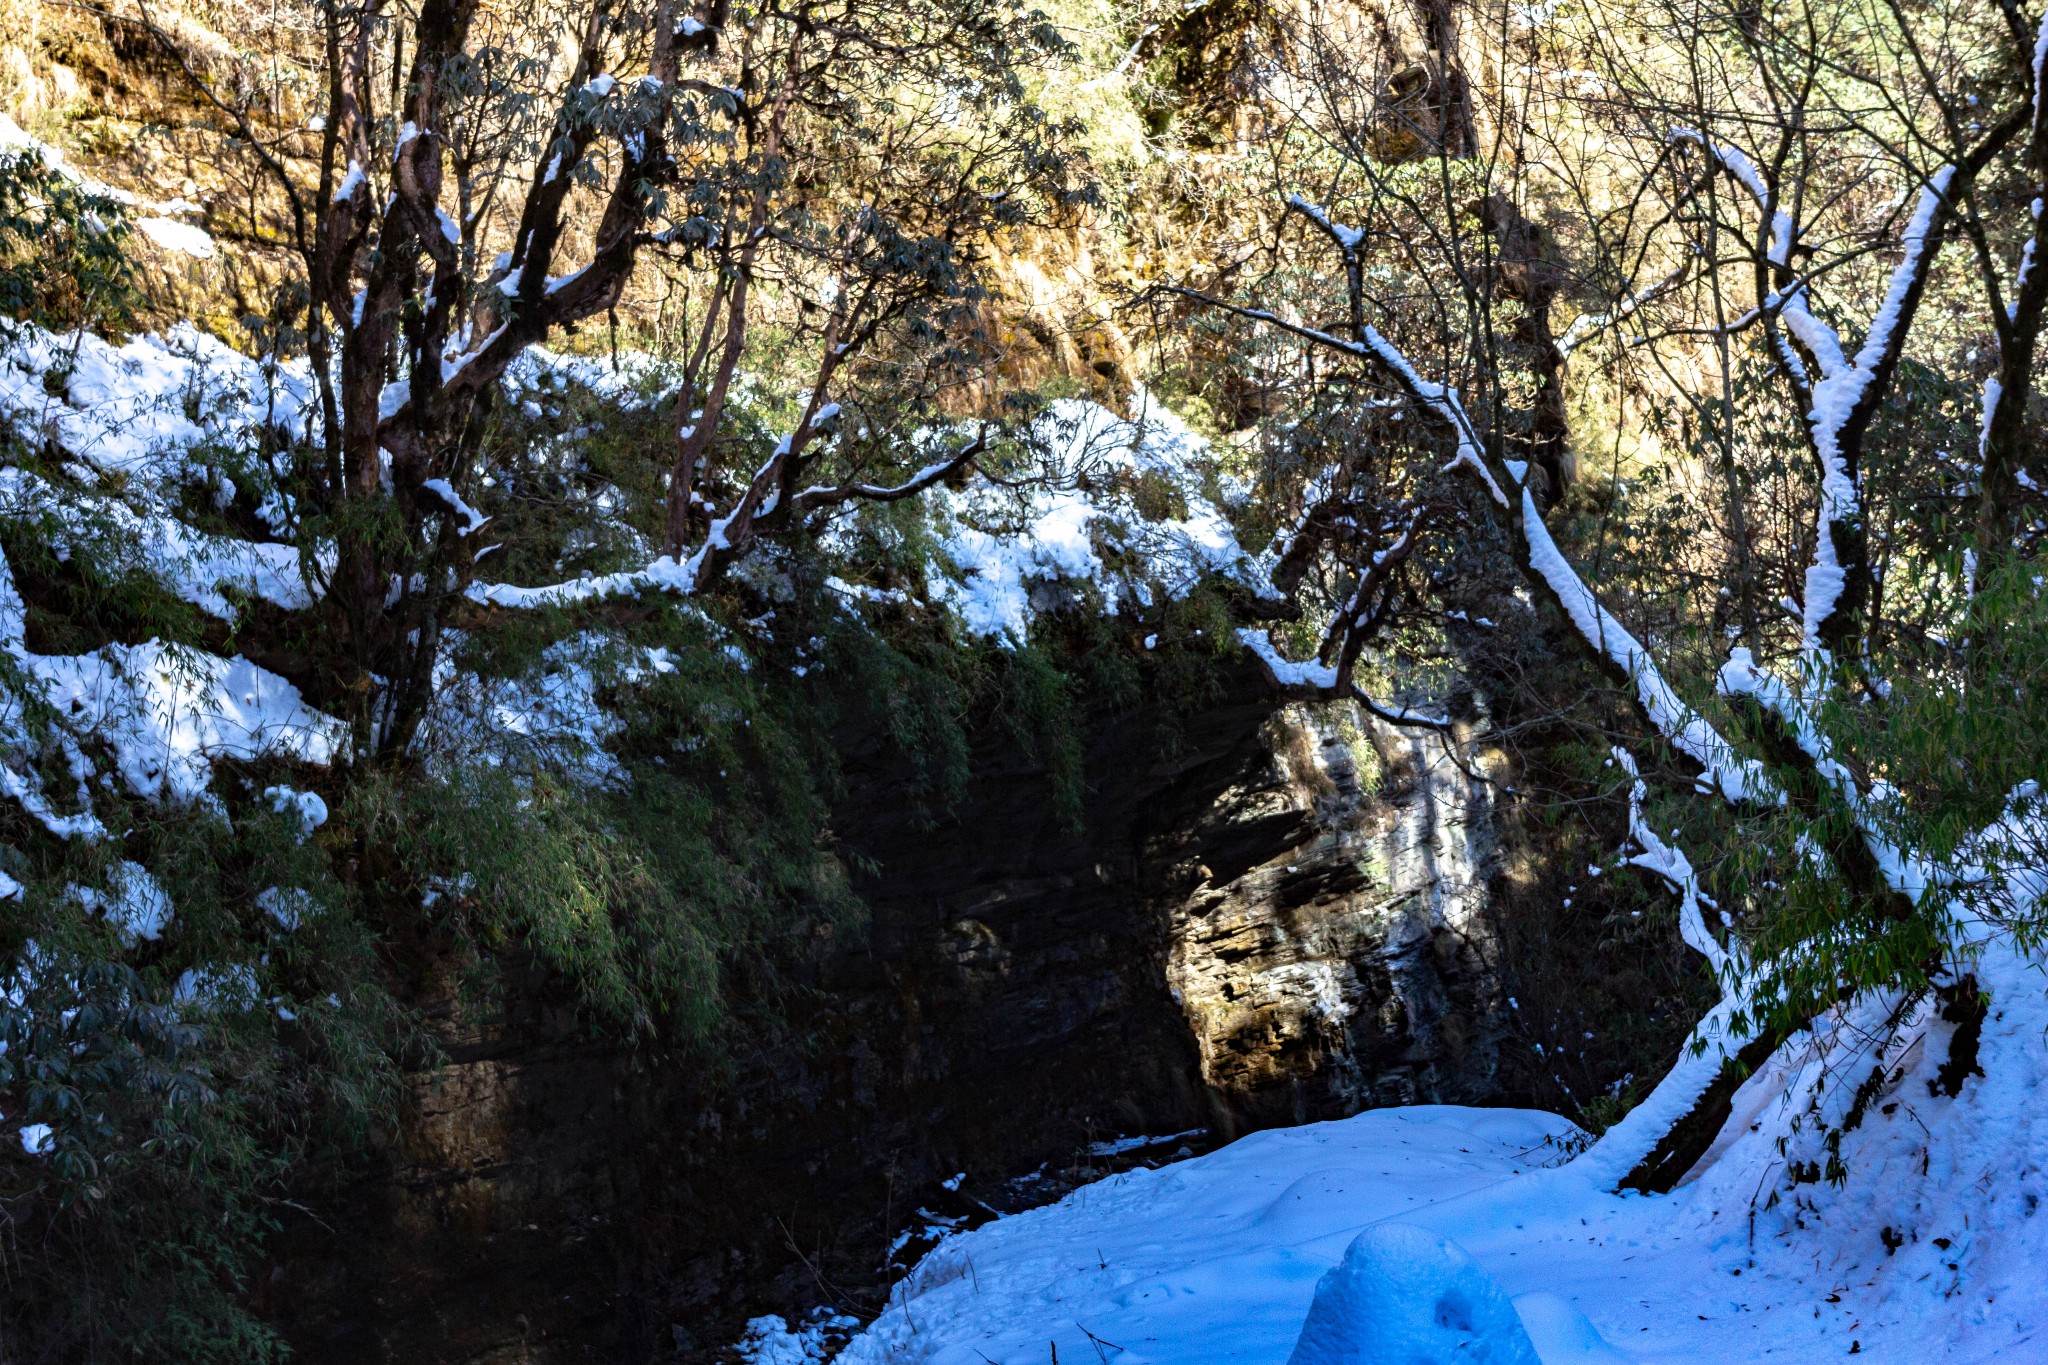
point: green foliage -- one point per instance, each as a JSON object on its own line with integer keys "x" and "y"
{"x": 84, "y": 582}
{"x": 177, "y": 1078}
{"x": 917, "y": 687}
{"x": 62, "y": 262}
{"x": 1037, "y": 704}
{"x": 1947, "y": 763}
{"x": 1966, "y": 726}
{"x": 639, "y": 890}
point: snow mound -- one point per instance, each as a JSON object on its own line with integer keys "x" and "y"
{"x": 1208, "y": 1260}
{"x": 1562, "y": 1334}
{"x": 1405, "y": 1296}
{"x": 1299, "y": 1204}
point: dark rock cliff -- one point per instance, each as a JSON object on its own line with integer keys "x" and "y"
{"x": 1269, "y": 915}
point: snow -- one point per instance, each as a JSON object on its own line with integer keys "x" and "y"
{"x": 1001, "y": 544}
{"x": 1445, "y": 403}
{"x": 1993, "y": 392}
{"x": 183, "y": 238}
{"x": 1588, "y": 325}
{"x": 1403, "y": 1294}
{"x": 1118, "y": 1146}
{"x": 664, "y": 574}
{"x": 1668, "y": 862}
{"x": 1741, "y": 677}
{"x": 862, "y": 592}
{"x": 1347, "y": 237}
{"x": 1839, "y": 393}
{"x": 452, "y": 365}
{"x": 194, "y": 565}
{"x": 350, "y": 183}
{"x": 126, "y": 409}
{"x": 1784, "y": 233}
{"x": 1220, "y": 1258}
{"x": 472, "y": 520}
{"x": 160, "y": 713}
{"x": 288, "y": 906}
{"x": 133, "y": 903}
{"x": 167, "y": 714}
{"x": 1285, "y": 672}
{"x": 2040, "y": 64}
{"x": 310, "y": 808}
{"x": 770, "y": 1341}
{"x": 1844, "y": 385}
{"x": 214, "y": 988}
{"x": 139, "y": 907}
{"x": 14, "y": 138}
{"x": 1212, "y": 1259}
{"x": 553, "y": 715}
{"x": 1723, "y": 1031}
{"x": 637, "y": 380}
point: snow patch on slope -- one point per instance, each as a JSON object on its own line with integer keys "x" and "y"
{"x": 142, "y": 408}
{"x": 140, "y": 423}
{"x": 1005, "y": 544}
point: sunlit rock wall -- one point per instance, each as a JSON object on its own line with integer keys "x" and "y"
{"x": 1354, "y": 969}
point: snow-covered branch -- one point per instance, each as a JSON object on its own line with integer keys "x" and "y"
{"x": 1844, "y": 401}
{"x": 1725, "y": 1030}
{"x": 1842, "y": 394}
{"x": 821, "y": 496}
{"x": 1346, "y": 238}
{"x": 1736, "y": 777}
{"x": 1741, "y": 677}
{"x": 1684, "y": 728}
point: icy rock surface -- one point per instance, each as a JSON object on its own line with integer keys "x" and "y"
{"x": 1405, "y": 1296}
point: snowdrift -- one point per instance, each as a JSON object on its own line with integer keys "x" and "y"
{"x": 1435, "y": 1219}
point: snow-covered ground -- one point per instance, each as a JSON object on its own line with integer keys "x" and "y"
{"x": 1934, "y": 1249}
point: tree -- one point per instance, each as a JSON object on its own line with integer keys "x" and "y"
{"x": 1721, "y": 178}
{"x": 860, "y": 160}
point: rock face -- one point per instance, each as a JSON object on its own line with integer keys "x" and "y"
{"x": 1354, "y": 968}
{"x": 1268, "y": 915}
